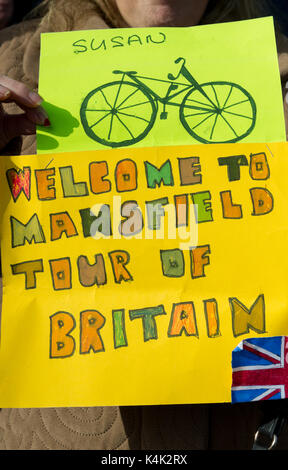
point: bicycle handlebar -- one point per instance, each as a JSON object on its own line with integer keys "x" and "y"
{"x": 178, "y": 60}
{"x": 170, "y": 76}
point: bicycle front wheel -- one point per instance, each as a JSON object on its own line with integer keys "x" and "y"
{"x": 118, "y": 114}
{"x": 223, "y": 113}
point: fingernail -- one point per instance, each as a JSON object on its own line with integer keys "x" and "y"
{"x": 47, "y": 123}
{"x": 4, "y": 93}
{"x": 35, "y": 98}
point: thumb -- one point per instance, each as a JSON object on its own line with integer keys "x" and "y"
{"x": 14, "y": 125}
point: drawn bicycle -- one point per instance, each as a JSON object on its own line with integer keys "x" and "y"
{"x": 123, "y": 112}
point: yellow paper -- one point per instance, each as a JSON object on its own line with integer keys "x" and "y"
{"x": 161, "y": 86}
{"x": 155, "y": 320}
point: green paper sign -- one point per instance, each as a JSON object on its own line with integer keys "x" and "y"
{"x": 147, "y": 87}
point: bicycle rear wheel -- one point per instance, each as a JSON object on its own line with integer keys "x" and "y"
{"x": 224, "y": 113}
{"x": 118, "y": 114}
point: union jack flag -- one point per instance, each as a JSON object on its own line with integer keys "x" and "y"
{"x": 260, "y": 369}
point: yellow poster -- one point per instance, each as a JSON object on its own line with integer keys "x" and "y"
{"x": 131, "y": 275}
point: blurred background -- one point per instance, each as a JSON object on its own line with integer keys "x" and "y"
{"x": 279, "y": 9}
{"x": 13, "y": 11}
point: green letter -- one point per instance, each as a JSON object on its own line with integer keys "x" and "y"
{"x": 148, "y": 321}
{"x": 31, "y": 231}
{"x": 155, "y": 176}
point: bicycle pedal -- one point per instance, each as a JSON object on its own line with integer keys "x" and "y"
{"x": 164, "y": 115}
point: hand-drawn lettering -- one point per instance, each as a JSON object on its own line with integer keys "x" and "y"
{"x": 148, "y": 320}
{"x": 202, "y": 206}
{"x": 62, "y": 344}
{"x": 97, "y": 47}
{"x": 181, "y": 210}
{"x": 29, "y": 268}
{"x": 100, "y": 223}
{"x": 262, "y": 201}
{"x": 189, "y": 170}
{"x": 26, "y": 232}
{"x": 70, "y": 188}
{"x": 259, "y": 168}
{"x": 150, "y": 39}
{"x": 62, "y": 223}
{"x": 172, "y": 261}
{"x": 183, "y": 319}
{"x": 126, "y": 175}
{"x": 19, "y": 180}
{"x": 155, "y": 176}
{"x": 45, "y": 184}
{"x": 61, "y": 273}
{"x": 82, "y": 47}
{"x": 212, "y": 318}
{"x": 116, "y": 41}
{"x": 230, "y": 210}
{"x": 92, "y": 223}
{"x": 119, "y": 330}
{"x": 97, "y": 172}
{"x": 91, "y": 274}
{"x": 91, "y": 321}
{"x": 134, "y": 38}
{"x": 199, "y": 259}
{"x": 245, "y": 319}
{"x": 119, "y": 259}
{"x": 233, "y": 165}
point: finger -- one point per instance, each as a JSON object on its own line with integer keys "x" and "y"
{"x": 37, "y": 116}
{"x": 4, "y": 93}
{"x": 14, "y": 126}
{"x": 20, "y": 93}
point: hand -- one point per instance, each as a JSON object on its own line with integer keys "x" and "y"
{"x": 14, "y": 125}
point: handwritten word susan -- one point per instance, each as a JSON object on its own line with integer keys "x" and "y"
{"x": 84, "y": 45}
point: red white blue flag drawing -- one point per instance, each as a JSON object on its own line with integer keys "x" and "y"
{"x": 260, "y": 369}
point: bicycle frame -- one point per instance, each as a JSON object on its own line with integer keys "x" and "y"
{"x": 172, "y": 85}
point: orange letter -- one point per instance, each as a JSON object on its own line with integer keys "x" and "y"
{"x": 62, "y": 344}
{"x": 126, "y": 175}
{"x": 97, "y": 172}
{"x": 199, "y": 259}
{"x": 183, "y": 318}
{"x": 212, "y": 319}
{"x": 230, "y": 210}
{"x": 118, "y": 260}
{"x": 45, "y": 187}
{"x": 181, "y": 207}
{"x": 259, "y": 168}
{"x": 62, "y": 223}
{"x": 91, "y": 322}
{"x": 61, "y": 273}
{"x": 262, "y": 201}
